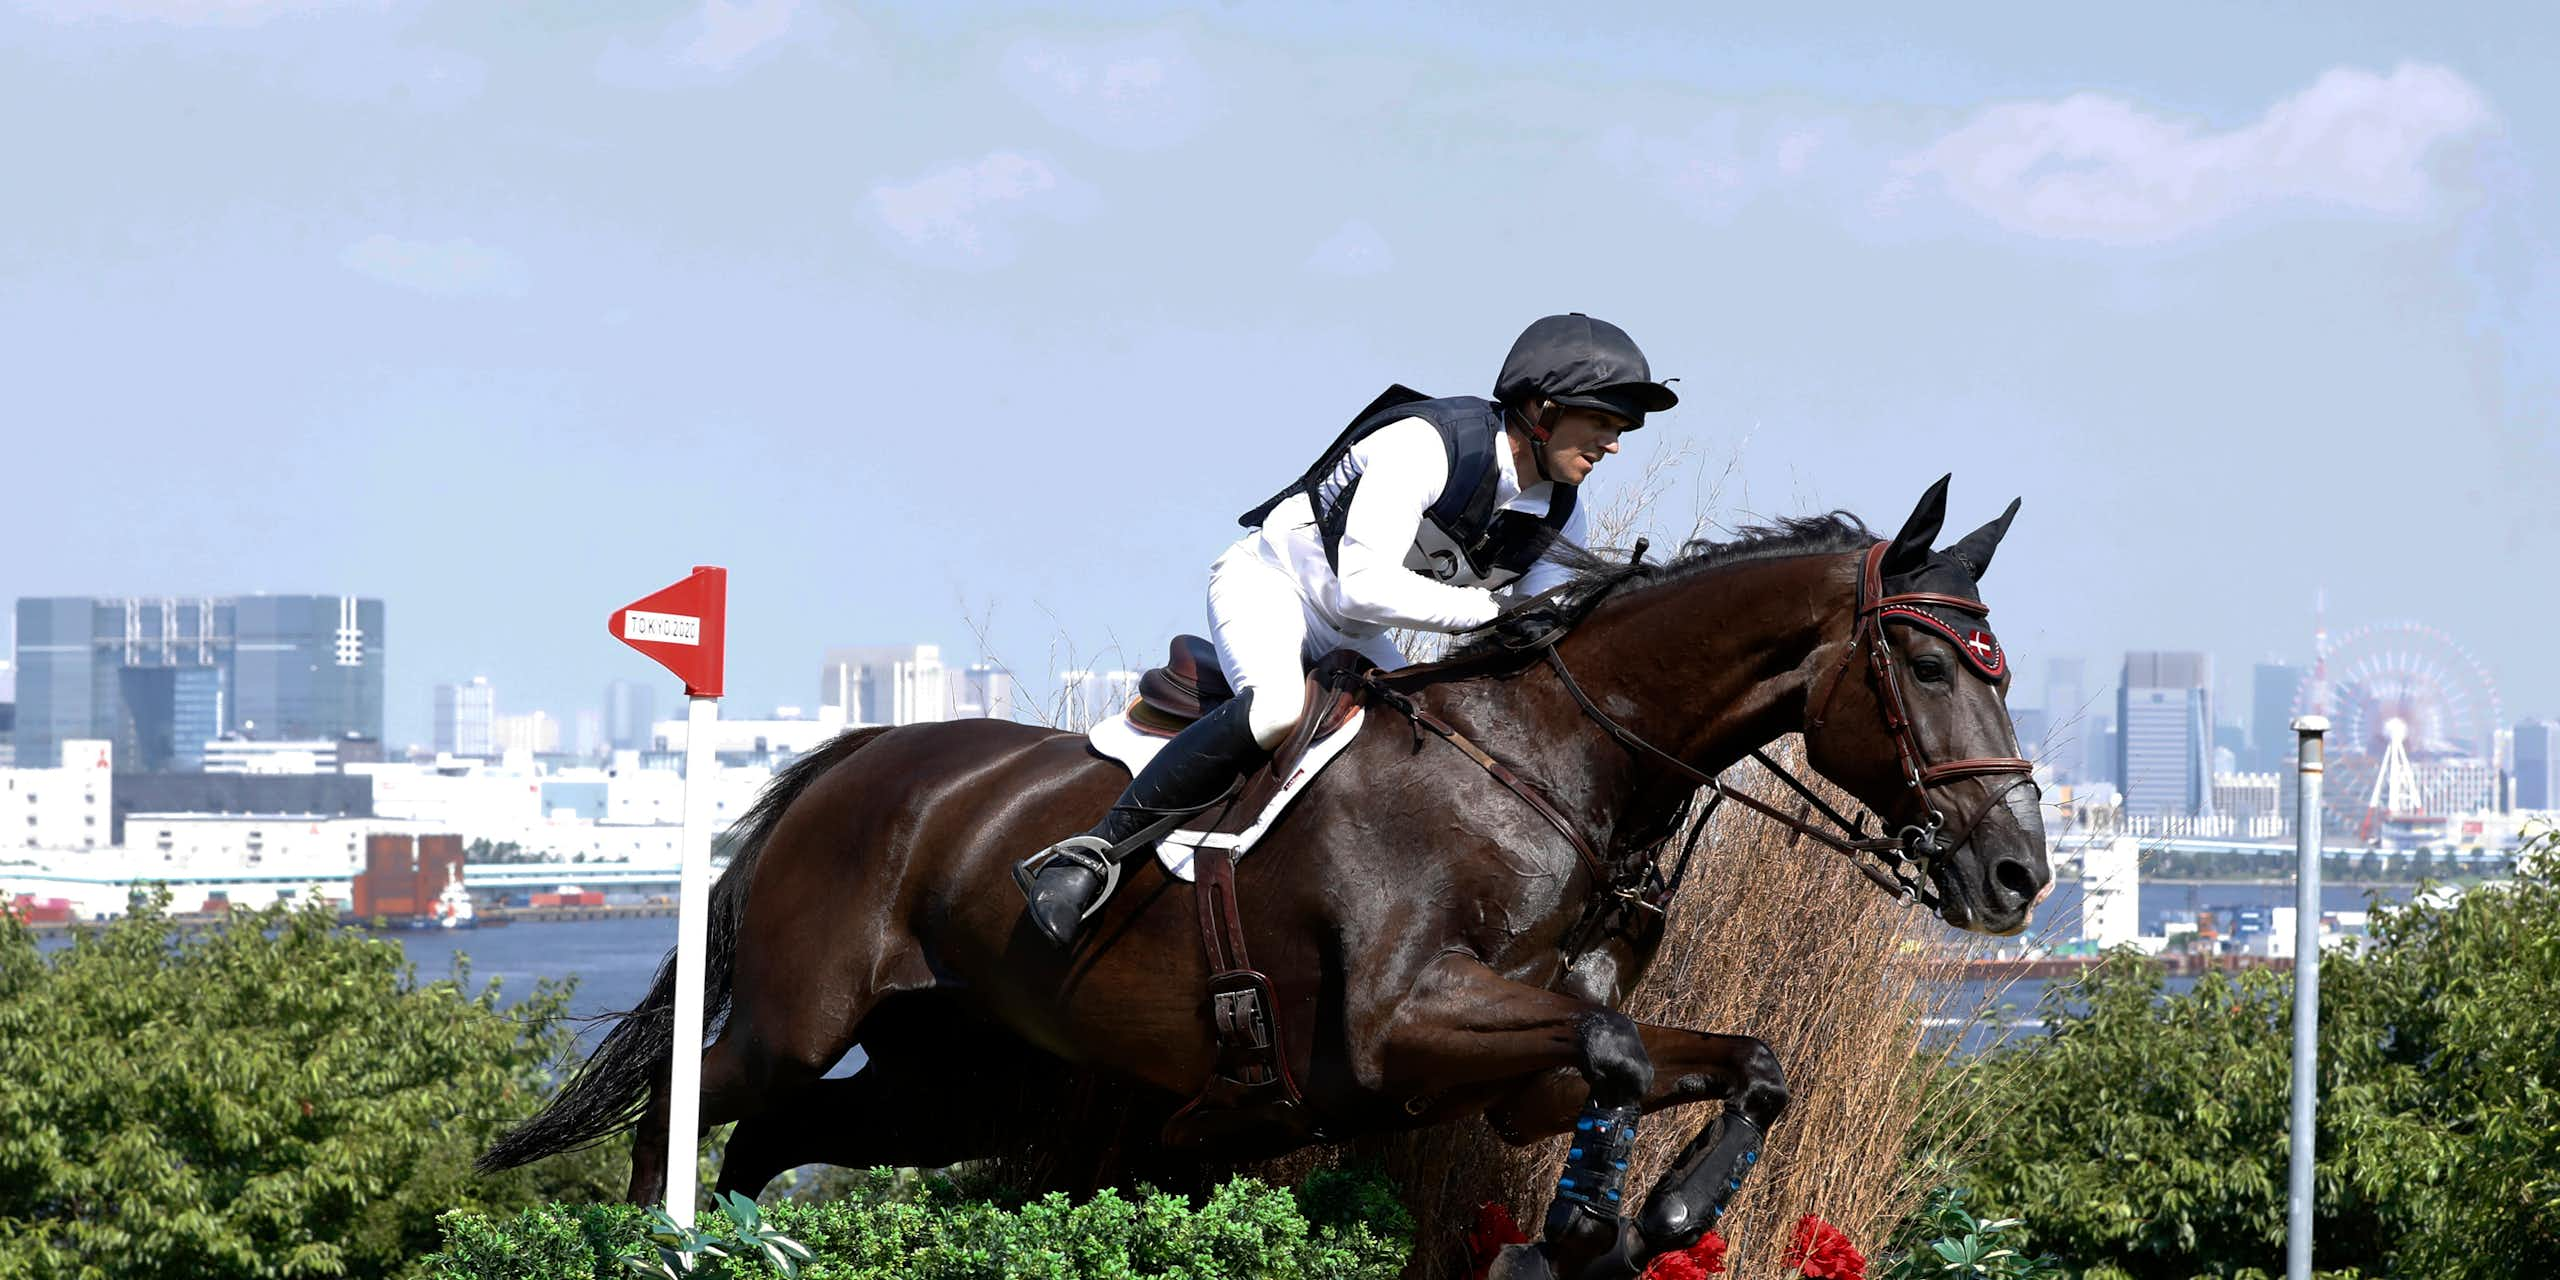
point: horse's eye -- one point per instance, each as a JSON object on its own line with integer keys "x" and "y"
{"x": 1930, "y": 670}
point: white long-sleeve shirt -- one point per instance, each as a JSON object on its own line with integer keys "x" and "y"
{"x": 1387, "y": 578}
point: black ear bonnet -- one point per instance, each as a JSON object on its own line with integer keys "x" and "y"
{"x": 1970, "y": 633}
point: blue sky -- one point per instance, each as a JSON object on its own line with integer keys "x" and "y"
{"x": 910, "y": 315}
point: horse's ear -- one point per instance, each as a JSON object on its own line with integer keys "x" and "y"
{"x": 1975, "y": 551}
{"x": 1919, "y": 533}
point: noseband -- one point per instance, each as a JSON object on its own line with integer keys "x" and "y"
{"x": 1908, "y": 856}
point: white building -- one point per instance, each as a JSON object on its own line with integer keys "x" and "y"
{"x": 59, "y": 810}
{"x": 756, "y": 737}
{"x": 533, "y": 733}
{"x": 194, "y": 844}
{"x": 886, "y": 684}
{"x": 2111, "y": 891}
{"x": 983, "y": 691}
{"x": 1092, "y": 695}
{"x": 465, "y": 718}
{"x": 240, "y": 755}
{"x": 625, "y": 813}
{"x": 2456, "y": 785}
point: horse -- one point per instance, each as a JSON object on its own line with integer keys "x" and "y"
{"x": 1422, "y": 907}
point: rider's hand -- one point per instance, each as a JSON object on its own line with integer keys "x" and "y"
{"x": 1534, "y": 622}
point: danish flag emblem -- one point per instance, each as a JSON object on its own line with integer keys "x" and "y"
{"x": 1981, "y": 644}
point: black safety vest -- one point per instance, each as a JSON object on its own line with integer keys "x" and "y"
{"x": 1495, "y": 547}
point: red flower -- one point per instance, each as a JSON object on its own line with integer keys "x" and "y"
{"x": 1705, "y": 1258}
{"x": 1493, "y": 1231}
{"x": 1823, "y": 1252}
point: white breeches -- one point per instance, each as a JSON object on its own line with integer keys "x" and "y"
{"x": 1267, "y": 637}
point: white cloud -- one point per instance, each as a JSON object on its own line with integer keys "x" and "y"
{"x": 1355, "y": 249}
{"x": 189, "y": 13}
{"x": 2092, "y": 167}
{"x": 964, "y": 216}
{"x": 444, "y": 269}
{"x": 1139, "y": 91}
{"x": 711, "y": 43}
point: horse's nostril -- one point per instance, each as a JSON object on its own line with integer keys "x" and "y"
{"x": 2015, "y": 877}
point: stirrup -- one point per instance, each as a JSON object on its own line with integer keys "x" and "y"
{"x": 1089, "y": 852}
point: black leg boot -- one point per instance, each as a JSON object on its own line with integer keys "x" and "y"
{"x": 1067, "y": 881}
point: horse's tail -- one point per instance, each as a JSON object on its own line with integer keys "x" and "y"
{"x": 610, "y": 1091}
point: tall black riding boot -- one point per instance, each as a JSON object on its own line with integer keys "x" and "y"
{"x": 1067, "y": 881}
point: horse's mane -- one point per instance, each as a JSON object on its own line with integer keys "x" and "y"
{"x": 1596, "y": 577}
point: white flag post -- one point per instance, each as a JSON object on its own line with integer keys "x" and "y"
{"x": 685, "y": 628}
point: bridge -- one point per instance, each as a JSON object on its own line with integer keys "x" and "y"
{"x": 585, "y": 875}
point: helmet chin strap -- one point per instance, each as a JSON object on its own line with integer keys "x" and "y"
{"x": 1539, "y": 430}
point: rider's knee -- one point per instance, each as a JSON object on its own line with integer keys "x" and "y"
{"x": 1273, "y": 712}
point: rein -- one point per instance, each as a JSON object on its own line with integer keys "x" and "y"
{"x": 1906, "y": 857}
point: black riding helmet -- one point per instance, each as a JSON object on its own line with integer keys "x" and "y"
{"x": 1575, "y": 360}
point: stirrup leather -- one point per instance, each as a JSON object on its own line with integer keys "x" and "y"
{"x": 1093, "y": 853}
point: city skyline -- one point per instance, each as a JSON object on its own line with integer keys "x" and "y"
{"x": 929, "y": 329}
{"x": 2238, "y": 701}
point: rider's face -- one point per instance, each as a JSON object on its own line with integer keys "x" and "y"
{"x": 1582, "y": 438}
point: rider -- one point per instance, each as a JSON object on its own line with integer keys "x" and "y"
{"x": 1414, "y": 518}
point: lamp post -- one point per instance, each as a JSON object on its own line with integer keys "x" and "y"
{"x": 2309, "y": 732}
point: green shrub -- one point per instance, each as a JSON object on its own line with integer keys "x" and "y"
{"x": 2146, "y": 1137}
{"x": 277, "y": 1096}
{"x": 1943, "y": 1239}
{"x": 1338, "y": 1224}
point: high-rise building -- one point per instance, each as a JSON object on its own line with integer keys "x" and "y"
{"x": 2537, "y": 757}
{"x": 306, "y": 667}
{"x": 161, "y": 676}
{"x": 2032, "y": 724}
{"x": 466, "y": 718}
{"x": 2066, "y": 692}
{"x": 983, "y": 690}
{"x": 533, "y": 732}
{"x": 2164, "y": 726}
{"x": 1091, "y": 696}
{"x": 2093, "y": 749}
{"x": 886, "y": 684}
{"x": 629, "y": 708}
{"x": 2272, "y": 686}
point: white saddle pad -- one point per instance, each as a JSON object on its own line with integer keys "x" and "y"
{"x": 1133, "y": 748}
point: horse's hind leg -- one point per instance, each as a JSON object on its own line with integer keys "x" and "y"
{"x": 869, "y": 1119}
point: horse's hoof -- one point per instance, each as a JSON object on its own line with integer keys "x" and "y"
{"x": 1520, "y": 1262}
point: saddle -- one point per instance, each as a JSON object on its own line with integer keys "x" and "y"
{"x": 1251, "y": 1090}
{"x": 1188, "y": 686}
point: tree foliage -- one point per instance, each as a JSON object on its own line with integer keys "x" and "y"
{"x": 278, "y": 1096}
{"x": 2148, "y": 1137}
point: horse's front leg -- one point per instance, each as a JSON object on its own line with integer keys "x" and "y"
{"x": 1689, "y": 1066}
{"x": 1463, "y": 1025}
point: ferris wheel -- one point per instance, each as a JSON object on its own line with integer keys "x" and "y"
{"x": 2404, "y": 686}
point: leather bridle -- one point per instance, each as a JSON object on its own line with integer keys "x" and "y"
{"x": 1908, "y": 856}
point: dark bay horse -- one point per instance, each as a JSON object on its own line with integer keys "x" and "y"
{"x": 1425, "y": 911}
